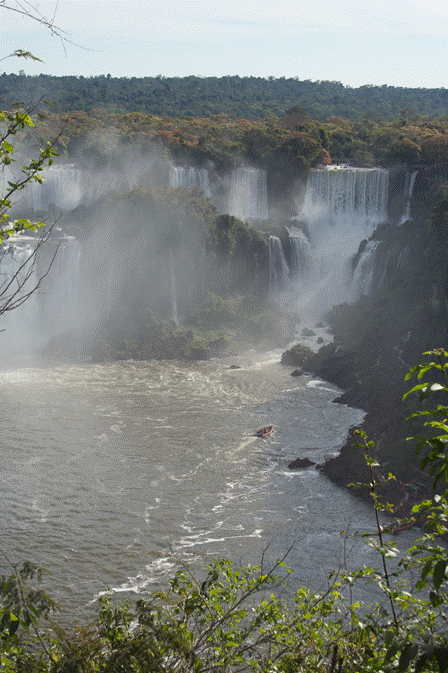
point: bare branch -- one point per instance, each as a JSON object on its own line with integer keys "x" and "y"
{"x": 31, "y": 11}
{"x": 13, "y": 294}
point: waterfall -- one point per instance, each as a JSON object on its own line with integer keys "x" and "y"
{"x": 302, "y": 263}
{"x": 341, "y": 195}
{"x": 189, "y": 178}
{"x": 278, "y": 268}
{"x": 60, "y": 302}
{"x": 62, "y": 186}
{"x": 248, "y": 194}
{"x": 53, "y": 308}
{"x": 342, "y": 206}
{"x": 173, "y": 291}
{"x": 17, "y": 269}
{"x": 408, "y": 193}
{"x": 363, "y": 273}
{"x": 67, "y": 186}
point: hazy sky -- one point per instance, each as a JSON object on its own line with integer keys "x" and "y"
{"x": 356, "y": 42}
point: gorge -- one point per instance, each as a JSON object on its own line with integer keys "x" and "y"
{"x": 150, "y": 431}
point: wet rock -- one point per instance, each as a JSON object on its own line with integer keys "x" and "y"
{"x": 306, "y": 332}
{"x": 296, "y": 356}
{"x": 299, "y": 463}
{"x": 297, "y": 372}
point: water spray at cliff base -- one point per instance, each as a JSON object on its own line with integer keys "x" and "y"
{"x": 342, "y": 207}
{"x": 111, "y": 268}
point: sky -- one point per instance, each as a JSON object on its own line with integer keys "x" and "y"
{"x": 355, "y": 42}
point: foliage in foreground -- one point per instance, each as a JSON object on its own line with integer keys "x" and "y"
{"x": 15, "y": 290}
{"x": 233, "y": 619}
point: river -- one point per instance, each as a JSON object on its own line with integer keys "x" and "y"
{"x": 111, "y": 472}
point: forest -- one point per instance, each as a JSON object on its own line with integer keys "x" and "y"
{"x": 286, "y": 146}
{"x": 239, "y": 97}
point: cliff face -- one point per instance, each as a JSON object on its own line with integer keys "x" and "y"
{"x": 380, "y": 337}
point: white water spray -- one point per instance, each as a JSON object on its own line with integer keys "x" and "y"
{"x": 248, "y": 194}
{"x": 189, "y": 178}
{"x": 342, "y": 207}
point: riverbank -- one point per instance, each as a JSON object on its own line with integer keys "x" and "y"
{"x": 375, "y": 382}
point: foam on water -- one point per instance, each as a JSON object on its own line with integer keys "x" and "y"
{"x": 114, "y": 470}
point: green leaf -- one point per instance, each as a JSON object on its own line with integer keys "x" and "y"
{"x": 426, "y": 569}
{"x": 389, "y": 638}
{"x": 13, "y": 627}
{"x": 415, "y": 389}
{"x": 439, "y": 573}
{"x": 442, "y": 658}
{"x": 436, "y": 600}
{"x": 407, "y": 655}
{"x": 420, "y": 664}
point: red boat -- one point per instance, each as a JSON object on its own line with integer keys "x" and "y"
{"x": 264, "y": 432}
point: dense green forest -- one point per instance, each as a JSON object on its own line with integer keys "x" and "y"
{"x": 286, "y": 147}
{"x": 238, "y": 97}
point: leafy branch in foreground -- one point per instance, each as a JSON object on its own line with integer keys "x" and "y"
{"x": 19, "y": 285}
{"x": 385, "y": 550}
{"x": 10, "y": 124}
{"x": 436, "y": 446}
{"x": 22, "y": 604}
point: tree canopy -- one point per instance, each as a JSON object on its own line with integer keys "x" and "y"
{"x": 239, "y": 97}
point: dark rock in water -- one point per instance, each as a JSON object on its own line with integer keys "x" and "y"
{"x": 306, "y": 332}
{"x": 297, "y": 355}
{"x": 336, "y": 365}
{"x": 300, "y": 462}
{"x": 235, "y": 367}
{"x": 297, "y": 372}
{"x": 320, "y": 340}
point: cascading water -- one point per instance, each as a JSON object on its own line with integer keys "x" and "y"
{"x": 364, "y": 271}
{"x": 174, "y": 314}
{"x": 59, "y": 303}
{"x": 408, "y": 193}
{"x": 248, "y": 194}
{"x": 303, "y": 265}
{"x": 342, "y": 207}
{"x": 17, "y": 279}
{"x": 189, "y": 178}
{"x": 278, "y": 268}
{"x": 52, "y": 306}
{"x": 341, "y": 196}
{"x": 67, "y": 186}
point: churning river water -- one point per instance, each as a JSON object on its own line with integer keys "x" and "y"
{"x": 109, "y": 472}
